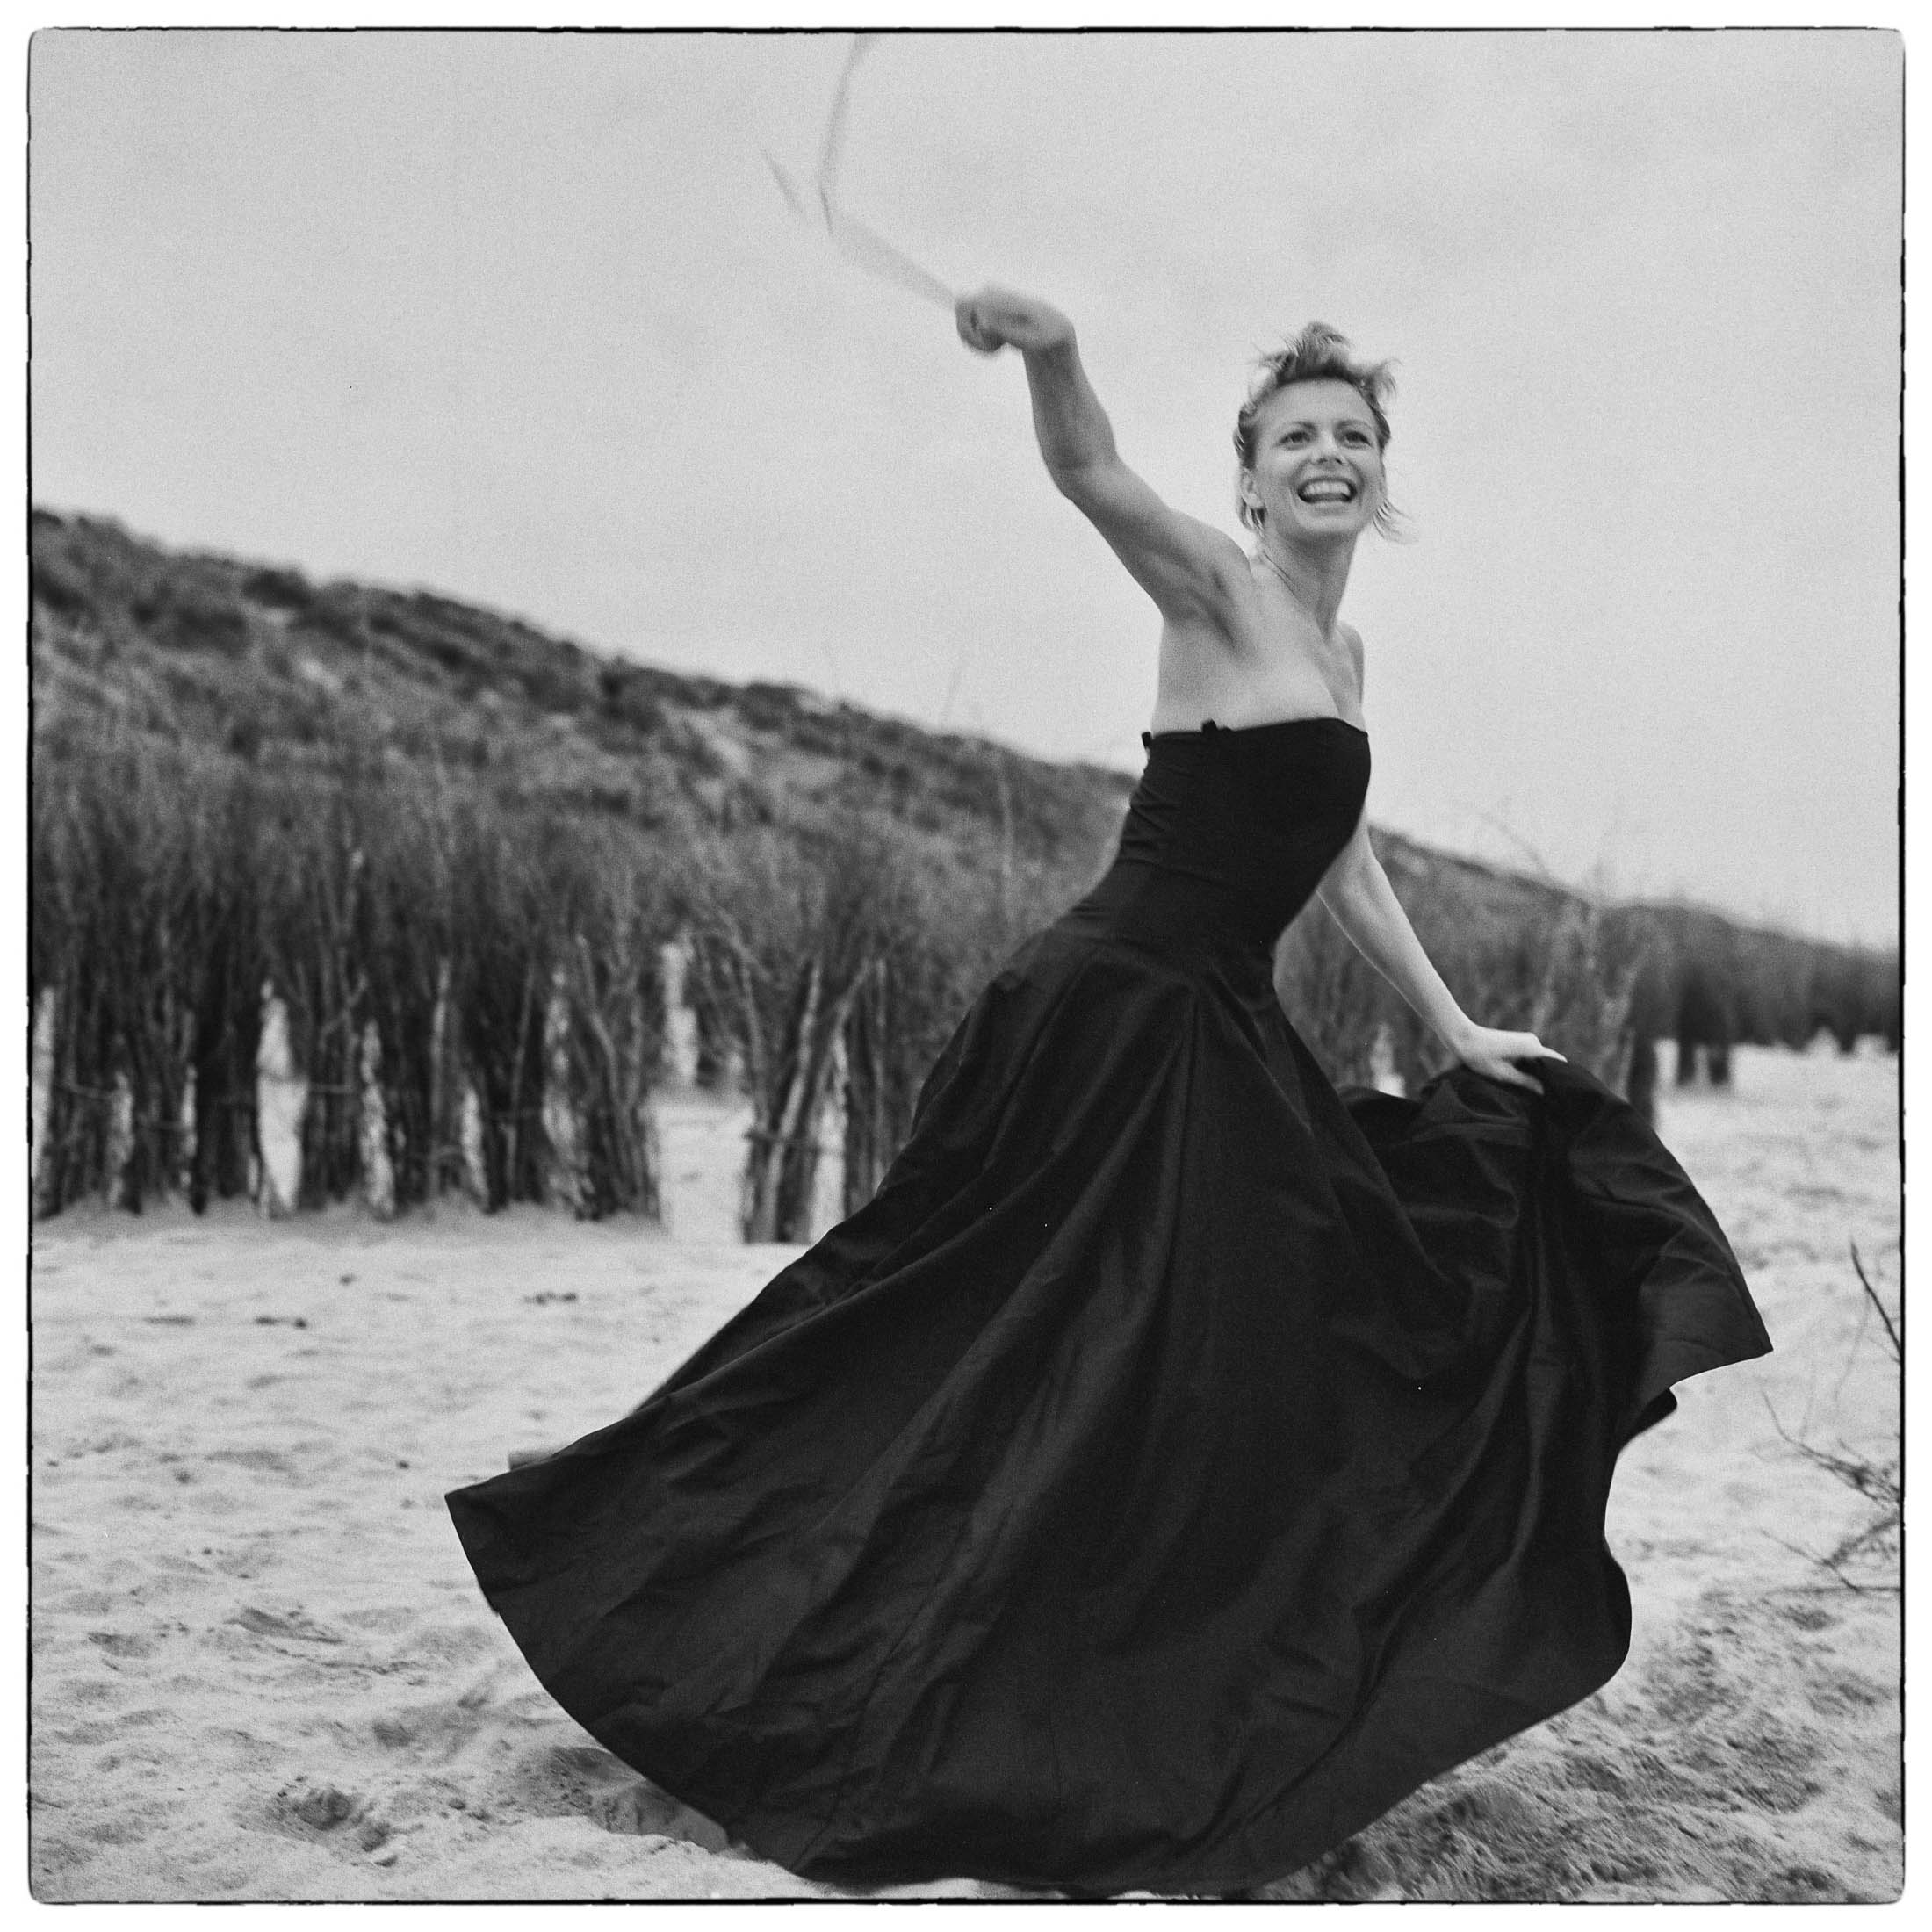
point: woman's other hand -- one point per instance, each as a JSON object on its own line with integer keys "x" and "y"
{"x": 1490, "y": 1051}
{"x": 993, "y": 318}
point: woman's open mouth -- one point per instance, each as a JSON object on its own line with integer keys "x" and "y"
{"x": 1327, "y": 489}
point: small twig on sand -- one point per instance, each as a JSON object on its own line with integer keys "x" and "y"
{"x": 1879, "y": 1482}
{"x": 1896, "y": 1335}
{"x": 1832, "y": 1565}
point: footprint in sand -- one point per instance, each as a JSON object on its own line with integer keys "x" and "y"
{"x": 640, "y": 1810}
{"x": 345, "y": 1821}
{"x": 1809, "y": 1617}
{"x": 1760, "y": 1761}
{"x": 434, "y": 1730}
{"x": 1801, "y": 1885}
{"x": 271, "y": 1460}
{"x": 291, "y": 1624}
{"x": 323, "y": 1810}
{"x": 1843, "y": 1693}
{"x": 248, "y": 1562}
{"x": 119, "y": 1643}
{"x": 587, "y": 1781}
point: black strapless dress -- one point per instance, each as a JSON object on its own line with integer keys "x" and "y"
{"x": 1176, "y": 1462}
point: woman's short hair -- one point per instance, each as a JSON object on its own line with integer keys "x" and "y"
{"x": 1318, "y": 354}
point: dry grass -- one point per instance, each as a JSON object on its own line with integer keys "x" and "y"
{"x": 1556, "y": 965}
{"x": 431, "y": 940}
{"x": 435, "y": 821}
{"x": 411, "y": 929}
{"x": 1867, "y": 1557}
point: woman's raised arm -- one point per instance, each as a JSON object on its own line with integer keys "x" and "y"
{"x": 1189, "y": 569}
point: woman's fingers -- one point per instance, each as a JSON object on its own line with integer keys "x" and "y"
{"x": 1500, "y": 1056}
{"x": 1504, "y": 1062}
{"x": 972, "y": 325}
{"x": 1526, "y": 1046}
{"x": 1509, "y": 1074}
{"x": 993, "y": 318}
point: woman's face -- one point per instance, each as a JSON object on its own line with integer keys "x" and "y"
{"x": 1317, "y": 468}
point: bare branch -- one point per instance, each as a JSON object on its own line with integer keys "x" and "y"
{"x": 1894, "y": 1335}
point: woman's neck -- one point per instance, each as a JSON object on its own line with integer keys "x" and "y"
{"x": 1315, "y": 576}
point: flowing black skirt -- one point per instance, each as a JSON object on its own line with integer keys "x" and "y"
{"x": 1175, "y": 1464}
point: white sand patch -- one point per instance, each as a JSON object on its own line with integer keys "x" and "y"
{"x": 280, "y": 1095}
{"x": 263, "y": 1670}
{"x": 700, "y": 1142}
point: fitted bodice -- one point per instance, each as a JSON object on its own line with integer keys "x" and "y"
{"x": 1229, "y": 832}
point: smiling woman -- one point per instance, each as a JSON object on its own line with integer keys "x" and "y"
{"x": 1317, "y": 364}
{"x": 1175, "y": 1462}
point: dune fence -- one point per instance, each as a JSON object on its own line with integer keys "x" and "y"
{"x": 464, "y": 998}
{"x": 1569, "y": 974}
{"x": 1600, "y": 982}
{"x": 445, "y": 992}
{"x": 441, "y": 988}
{"x": 442, "y": 901}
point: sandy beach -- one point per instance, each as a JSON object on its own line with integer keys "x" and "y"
{"x": 262, "y": 1669}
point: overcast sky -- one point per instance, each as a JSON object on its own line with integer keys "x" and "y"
{"x": 525, "y": 319}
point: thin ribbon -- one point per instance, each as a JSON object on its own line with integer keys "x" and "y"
{"x": 863, "y": 246}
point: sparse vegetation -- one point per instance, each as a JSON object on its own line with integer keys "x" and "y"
{"x": 414, "y": 932}
{"x": 1546, "y": 961}
{"x": 1602, "y": 983}
{"x": 1867, "y": 1558}
{"x": 455, "y": 847}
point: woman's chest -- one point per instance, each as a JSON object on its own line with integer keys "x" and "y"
{"x": 1256, "y": 679}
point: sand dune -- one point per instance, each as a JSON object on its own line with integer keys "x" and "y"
{"x": 262, "y": 1669}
